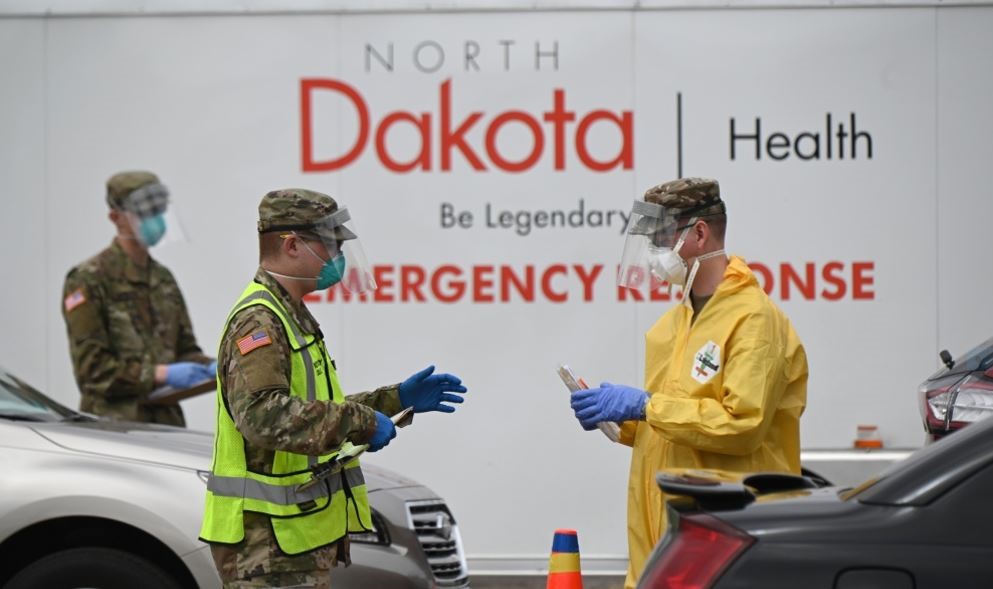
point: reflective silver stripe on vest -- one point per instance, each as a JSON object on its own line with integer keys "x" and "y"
{"x": 308, "y": 362}
{"x": 238, "y": 487}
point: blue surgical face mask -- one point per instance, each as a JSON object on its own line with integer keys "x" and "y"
{"x": 152, "y": 229}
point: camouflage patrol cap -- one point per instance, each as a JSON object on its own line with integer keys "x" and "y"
{"x": 686, "y": 197}
{"x": 122, "y": 184}
{"x": 678, "y": 199}
{"x": 299, "y": 209}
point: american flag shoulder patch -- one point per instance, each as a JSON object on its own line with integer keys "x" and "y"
{"x": 75, "y": 299}
{"x": 253, "y": 341}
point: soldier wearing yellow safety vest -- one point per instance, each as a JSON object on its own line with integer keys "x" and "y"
{"x": 281, "y": 413}
{"x": 725, "y": 374}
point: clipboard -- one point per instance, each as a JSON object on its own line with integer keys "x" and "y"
{"x": 574, "y": 383}
{"x": 402, "y": 419}
{"x": 326, "y": 469}
{"x": 166, "y": 395}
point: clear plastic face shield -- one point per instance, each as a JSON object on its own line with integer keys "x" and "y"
{"x": 653, "y": 235}
{"x": 152, "y": 219}
{"x": 347, "y": 263}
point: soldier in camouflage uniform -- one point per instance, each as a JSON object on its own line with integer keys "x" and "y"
{"x": 258, "y": 395}
{"x": 129, "y": 331}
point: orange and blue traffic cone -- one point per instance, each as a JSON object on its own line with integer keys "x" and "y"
{"x": 563, "y": 565}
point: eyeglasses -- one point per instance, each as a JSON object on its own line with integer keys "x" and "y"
{"x": 333, "y": 247}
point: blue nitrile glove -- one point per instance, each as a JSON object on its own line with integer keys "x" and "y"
{"x": 608, "y": 402}
{"x": 212, "y": 369}
{"x": 385, "y": 431}
{"x": 425, "y": 391}
{"x": 183, "y": 375}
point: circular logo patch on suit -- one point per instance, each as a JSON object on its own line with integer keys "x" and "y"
{"x": 707, "y": 362}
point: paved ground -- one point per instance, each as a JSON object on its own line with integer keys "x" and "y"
{"x": 538, "y": 582}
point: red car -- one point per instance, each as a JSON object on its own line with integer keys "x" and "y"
{"x": 960, "y": 393}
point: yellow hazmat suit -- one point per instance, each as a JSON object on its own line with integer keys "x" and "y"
{"x": 727, "y": 392}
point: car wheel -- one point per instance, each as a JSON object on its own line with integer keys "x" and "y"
{"x": 92, "y": 568}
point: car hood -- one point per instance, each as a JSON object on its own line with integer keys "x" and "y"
{"x": 166, "y": 445}
{"x": 145, "y": 442}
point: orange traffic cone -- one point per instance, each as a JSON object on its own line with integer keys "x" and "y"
{"x": 563, "y": 564}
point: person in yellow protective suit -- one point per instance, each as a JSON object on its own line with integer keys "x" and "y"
{"x": 725, "y": 373}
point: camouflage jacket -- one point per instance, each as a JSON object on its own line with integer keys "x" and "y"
{"x": 256, "y": 387}
{"x": 123, "y": 319}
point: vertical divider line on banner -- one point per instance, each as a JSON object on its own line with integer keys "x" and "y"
{"x": 679, "y": 134}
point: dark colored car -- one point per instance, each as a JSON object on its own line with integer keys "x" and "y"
{"x": 960, "y": 393}
{"x": 924, "y": 523}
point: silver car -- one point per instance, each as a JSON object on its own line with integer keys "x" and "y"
{"x": 92, "y": 503}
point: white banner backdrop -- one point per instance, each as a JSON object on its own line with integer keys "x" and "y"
{"x": 489, "y": 161}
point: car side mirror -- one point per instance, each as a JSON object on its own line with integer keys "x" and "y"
{"x": 947, "y": 359}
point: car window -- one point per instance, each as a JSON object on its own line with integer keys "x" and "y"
{"x": 18, "y": 400}
{"x": 978, "y": 358}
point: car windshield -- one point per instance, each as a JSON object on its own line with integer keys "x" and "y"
{"x": 978, "y": 358}
{"x": 20, "y": 401}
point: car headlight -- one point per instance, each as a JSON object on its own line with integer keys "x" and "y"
{"x": 377, "y": 536}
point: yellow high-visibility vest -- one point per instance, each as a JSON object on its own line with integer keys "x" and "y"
{"x": 301, "y": 520}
